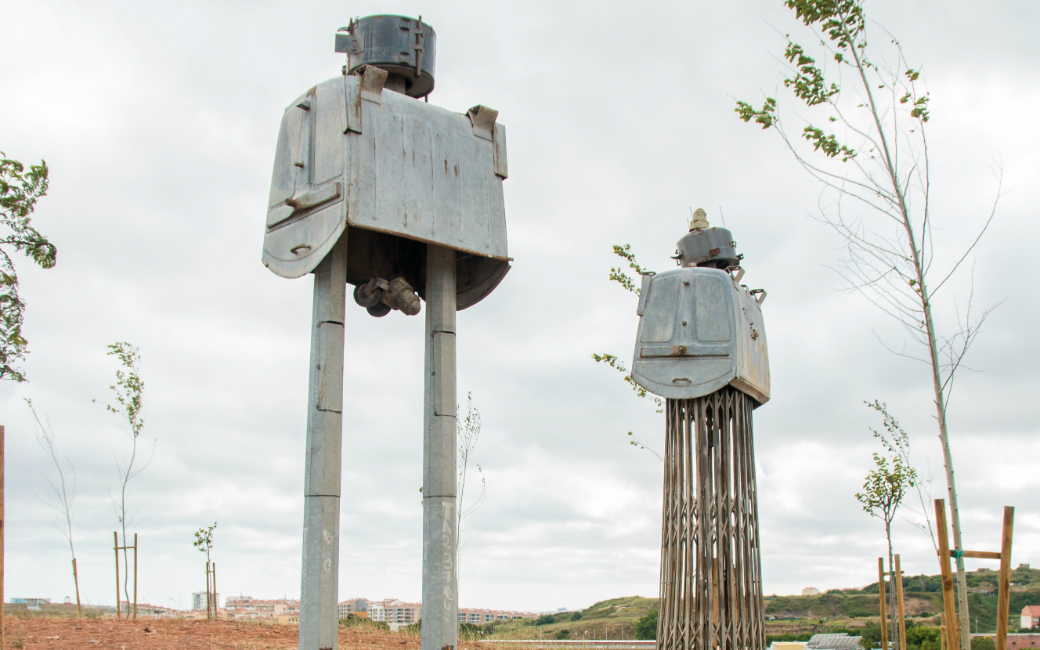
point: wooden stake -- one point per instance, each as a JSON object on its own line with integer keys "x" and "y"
{"x": 881, "y": 595}
{"x": 75, "y": 579}
{"x": 953, "y": 639}
{"x": 899, "y": 604}
{"x": 207, "y": 591}
{"x": 1, "y": 536}
{"x": 135, "y": 576}
{"x": 115, "y": 536}
{"x": 942, "y": 632}
{"x": 1004, "y": 595}
{"x": 216, "y": 605}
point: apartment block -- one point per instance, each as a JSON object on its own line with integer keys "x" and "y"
{"x": 482, "y": 616}
{"x": 249, "y": 608}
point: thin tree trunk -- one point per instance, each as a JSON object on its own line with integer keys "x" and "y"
{"x": 940, "y": 405}
{"x": 893, "y": 633}
{"x": 951, "y": 486}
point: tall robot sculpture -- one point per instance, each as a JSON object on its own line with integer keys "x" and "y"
{"x": 376, "y": 188}
{"x": 701, "y": 345}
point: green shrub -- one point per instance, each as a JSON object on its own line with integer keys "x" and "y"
{"x": 983, "y": 643}
{"x": 646, "y": 626}
{"x": 353, "y": 620}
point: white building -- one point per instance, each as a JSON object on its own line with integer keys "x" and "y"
{"x": 1030, "y": 616}
{"x": 198, "y": 600}
{"x": 394, "y": 612}
{"x": 810, "y": 591}
{"x": 482, "y": 616}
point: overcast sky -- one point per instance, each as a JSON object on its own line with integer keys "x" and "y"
{"x": 159, "y": 120}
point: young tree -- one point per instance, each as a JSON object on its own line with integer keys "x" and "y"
{"x": 19, "y": 191}
{"x": 204, "y": 543}
{"x": 129, "y": 391}
{"x": 876, "y": 166}
{"x": 897, "y": 433}
{"x": 884, "y": 489}
{"x": 64, "y": 490}
{"x": 629, "y": 284}
{"x": 468, "y": 433}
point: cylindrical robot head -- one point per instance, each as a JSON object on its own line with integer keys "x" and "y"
{"x": 405, "y": 47}
{"x": 705, "y": 246}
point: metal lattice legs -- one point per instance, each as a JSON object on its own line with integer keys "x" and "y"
{"x": 711, "y": 582}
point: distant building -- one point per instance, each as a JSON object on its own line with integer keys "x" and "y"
{"x": 241, "y": 608}
{"x": 838, "y": 641}
{"x": 1016, "y": 641}
{"x": 394, "y": 612}
{"x": 810, "y": 591}
{"x": 31, "y": 603}
{"x": 357, "y": 606}
{"x": 1030, "y": 616}
{"x": 198, "y": 600}
{"x": 150, "y": 611}
{"x": 482, "y": 616}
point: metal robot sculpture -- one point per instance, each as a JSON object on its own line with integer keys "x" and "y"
{"x": 701, "y": 344}
{"x": 374, "y": 187}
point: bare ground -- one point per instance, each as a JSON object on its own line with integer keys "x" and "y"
{"x": 163, "y": 634}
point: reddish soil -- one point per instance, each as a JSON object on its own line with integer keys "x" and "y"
{"x": 163, "y": 634}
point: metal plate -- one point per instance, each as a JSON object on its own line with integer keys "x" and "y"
{"x": 698, "y": 332}
{"x": 404, "y": 169}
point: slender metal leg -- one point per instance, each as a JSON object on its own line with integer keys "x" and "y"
{"x": 440, "y": 605}
{"x": 319, "y": 589}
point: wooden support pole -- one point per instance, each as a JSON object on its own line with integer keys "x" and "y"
{"x": 881, "y": 595}
{"x": 216, "y": 603}
{"x": 75, "y": 579}
{"x": 1004, "y": 595}
{"x": 953, "y": 640}
{"x": 942, "y": 632}
{"x": 207, "y": 591}
{"x": 115, "y": 547}
{"x": 899, "y": 604}
{"x": 135, "y": 576}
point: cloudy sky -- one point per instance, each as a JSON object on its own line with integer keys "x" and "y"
{"x": 159, "y": 122}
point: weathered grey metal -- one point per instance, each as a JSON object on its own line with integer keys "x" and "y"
{"x": 319, "y": 588}
{"x": 398, "y": 173}
{"x": 700, "y": 330}
{"x": 398, "y": 44}
{"x": 439, "y": 589}
{"x": 711, "y": 575}
{"x": 708, "y": 247}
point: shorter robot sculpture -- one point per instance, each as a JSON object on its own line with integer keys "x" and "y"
{"x": 701, "y": 345}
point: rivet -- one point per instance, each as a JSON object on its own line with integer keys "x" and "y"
{"x": 684, "y": 323}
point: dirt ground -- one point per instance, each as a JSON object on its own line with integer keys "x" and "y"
{"x": 163, "y": 634}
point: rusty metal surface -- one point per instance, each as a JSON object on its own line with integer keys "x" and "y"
{"x": 699, "y": 331}
{"x": 711, "y": 570}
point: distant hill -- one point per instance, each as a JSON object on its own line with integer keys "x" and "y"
{"x": 922, "y": 597}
